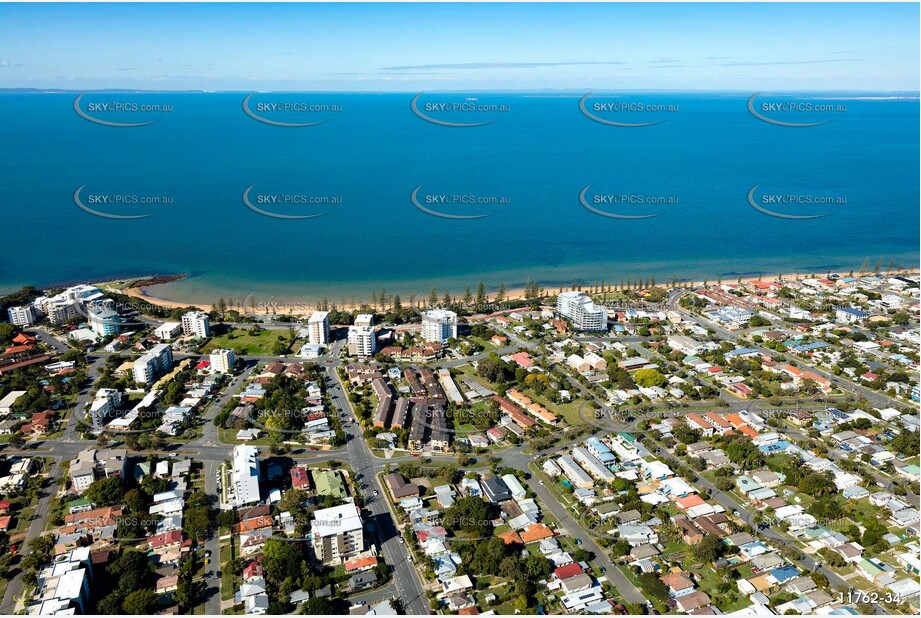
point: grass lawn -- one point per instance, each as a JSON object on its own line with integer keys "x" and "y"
{"x": 710, "y": 583}
{"x": 568, "y": 411}
{"x": 562, "y": 495}
{"x": 487, "y": 345}
{"x": 745, "y": 570}
{"x": 243, "y": 340}
{"x": 674, "y": 547}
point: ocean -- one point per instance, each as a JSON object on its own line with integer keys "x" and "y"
{"x": 699, "y": 170}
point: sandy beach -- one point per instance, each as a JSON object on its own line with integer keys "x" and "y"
{"x": 304, "y": 307}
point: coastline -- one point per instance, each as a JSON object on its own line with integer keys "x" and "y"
{"x": 303, "y": 307}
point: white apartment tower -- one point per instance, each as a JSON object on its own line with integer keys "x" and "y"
{"x": 103, "y": 318}
{"x": 362, "y": 336}
{"x": 21, "y": 316}
{"x": 439, "y": 325}
{"x": 197, "y": 324}
{"x": 244, "y": 476}
{"x": 336, "y": 533}
{"x": 318, "y": 328}
{"x": 223, "y": 360}
{"x": 581, "y": 311}
{"x": 157, "y": 361}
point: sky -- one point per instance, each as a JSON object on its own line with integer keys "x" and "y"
{"x": 462, "y": 47}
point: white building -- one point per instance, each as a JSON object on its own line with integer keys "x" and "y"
{"x": 592, "y": 464}
{"x": 63, "y": 587}
{"x": 318, "y": 328}
{"x": 104, "y": 320}
{"x": 61, "y": 311}
{"x": 244, "y": 476}
{"x": 574, "y": 473}
{"x": 439, "y": 325}
{"x": 310, "y": 350}
{"x": 168, "y": 330}
{"x": 362, "y": 336}
{"x": 197, "y": 324}
{"x": 223, "y": 360}
{"x": 581, "y": 311}
{"x": 21, "y": 316}
{"x": 849, "y": 315}
{"x": 92, "y": 463}
{"x": 685, "y": 345}
{"x": 106, "y": 402}
{"x": 6, "y": 404}
{"x": 69, "y": 304}
{"x": 337, "y": 533}
{"x": 158, "y": 360}
{"x": 597, "y": 363}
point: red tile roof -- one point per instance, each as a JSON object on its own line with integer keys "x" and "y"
{"x": 568, "y": 571}
{"x": 299, "y": 477}
{"x": 356, "y": 564}
{"x": 165, "y": 539}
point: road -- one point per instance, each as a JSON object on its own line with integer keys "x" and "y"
{"x": 770, "y": 535}
{"x": 624, "y": 586}
{"x": 212, "y": 544}
{"x": 50, "y": 487}
{"x": 406, "y": 581}
{"x": 874, "y": 397}
{"x": 406, "y": 584}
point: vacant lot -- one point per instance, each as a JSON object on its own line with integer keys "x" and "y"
{"x": 245, "y": 341}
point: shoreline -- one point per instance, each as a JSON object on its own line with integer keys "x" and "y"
{"x": 303, "y": 307}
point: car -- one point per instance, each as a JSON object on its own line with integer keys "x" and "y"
{"x": 207, "y": 553}
{"x": 578, "y": 541}
{"x": 402, "y": 540}
{"x": 541, "y": 482}
{"x": 603, "y": 570}
{"x": 376, "y": 492}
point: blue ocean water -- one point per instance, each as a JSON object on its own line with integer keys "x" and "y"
{"x": 535, "y": 158}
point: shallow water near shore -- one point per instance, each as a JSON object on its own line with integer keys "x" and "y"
{"x": 532, "y": 162}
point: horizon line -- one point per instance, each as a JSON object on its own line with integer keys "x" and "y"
{"x": 581, "y": 91}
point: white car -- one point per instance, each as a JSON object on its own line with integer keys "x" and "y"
{"x": 402, "y": 541}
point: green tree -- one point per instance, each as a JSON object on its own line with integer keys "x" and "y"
{"x": 140, "y": 602}
{"x": 653, "y": 585}
{"x": 708, "y": 549}
{"x": 317, "y": 606}
{"x": 106, "y": 492}
{"x": 198, "y": 522}
{"x": 469, "y": 516}
{"x": 649, "y": 377}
